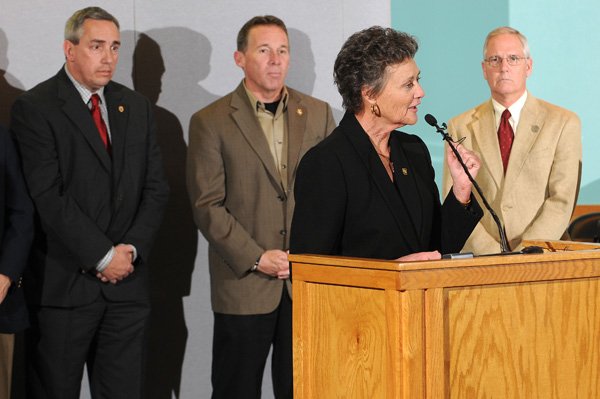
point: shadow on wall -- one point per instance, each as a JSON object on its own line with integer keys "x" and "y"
{"x": 173, "y": 256}
{"x": 302, "y": 74}
{"x": 8, "y": 92}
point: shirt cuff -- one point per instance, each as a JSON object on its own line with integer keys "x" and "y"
{"x": 134, "y": 253}
{"x": 103, "y": 264}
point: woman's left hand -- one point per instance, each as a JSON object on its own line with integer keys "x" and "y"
{"x": 462, "y": 185}
{"x": 431, "y": 255}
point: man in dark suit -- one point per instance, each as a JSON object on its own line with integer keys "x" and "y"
{"x": 16, "y": 233}
{"x": 242, "y": 158}
{"x": 94, "y": 172}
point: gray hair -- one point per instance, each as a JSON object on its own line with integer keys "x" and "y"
{"x": 364, "y": 59}
{"x": 74, "y": 25}
{"x": 507, "y": 30}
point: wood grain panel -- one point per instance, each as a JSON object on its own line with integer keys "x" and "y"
{"x": 538, "y": 340}
{"x": 413, "y": 344}
{"x": 349, "y": 358}
{"x": 435, "y": 337}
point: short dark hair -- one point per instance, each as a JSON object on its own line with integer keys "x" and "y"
{"x": 74, "y": 25}
{"x": 363, "y": 60}
{"x": 242, "y": 38}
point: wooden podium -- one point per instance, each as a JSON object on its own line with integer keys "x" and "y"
{"x": 516, "y": 326}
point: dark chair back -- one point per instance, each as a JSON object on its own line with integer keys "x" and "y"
{"x": 585, "y": 228}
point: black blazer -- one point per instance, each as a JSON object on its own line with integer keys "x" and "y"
{"x": 347, "y": 205}
{"x": 87, "y": 201}
{"x": 16, "y": 233}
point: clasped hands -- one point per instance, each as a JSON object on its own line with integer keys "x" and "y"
{"x": 120, "y": 266}
{"x": 274, "y": 263}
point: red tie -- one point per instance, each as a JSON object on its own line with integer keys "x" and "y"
{"x": 97, "y": 115}
{"x": 505, "y": 137}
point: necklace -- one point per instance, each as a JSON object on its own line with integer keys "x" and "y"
{"x": 387, "y": 158}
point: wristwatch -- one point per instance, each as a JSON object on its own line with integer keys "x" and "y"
{"x": 255, "y": 266}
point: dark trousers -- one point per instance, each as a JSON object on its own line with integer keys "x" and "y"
{"x": 106, "y": 336}
{"x": 241, "y": 346}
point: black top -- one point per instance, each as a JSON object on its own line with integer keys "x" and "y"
{"x": 347, "y": 205}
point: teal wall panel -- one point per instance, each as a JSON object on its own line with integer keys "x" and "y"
{"x": 563, "y": 38}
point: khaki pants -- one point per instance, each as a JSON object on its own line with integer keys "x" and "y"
{"x": 7, "y": 343}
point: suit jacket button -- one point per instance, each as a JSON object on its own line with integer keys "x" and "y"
{"x": 282, "y": 232}
{"x": 280, "y": 198}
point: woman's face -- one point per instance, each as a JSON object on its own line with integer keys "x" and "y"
{"x": 401, "y": 94}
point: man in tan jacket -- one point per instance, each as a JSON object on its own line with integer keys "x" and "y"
{"x": 532, "y": 182}
{"x": 242, "y": 158}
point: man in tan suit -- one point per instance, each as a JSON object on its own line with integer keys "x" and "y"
{"x": 532, "y": 185}
{"x": 242, "y": 158}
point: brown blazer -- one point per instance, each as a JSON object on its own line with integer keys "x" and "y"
{"x": 237, "y": 198}
{"x": 536, "y": 197}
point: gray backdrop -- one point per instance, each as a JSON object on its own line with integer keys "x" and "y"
{"x": 179, "y": 53}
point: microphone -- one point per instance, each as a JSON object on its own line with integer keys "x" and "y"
{"x": 530, "y": 250}
{"x": 430, "y": 119}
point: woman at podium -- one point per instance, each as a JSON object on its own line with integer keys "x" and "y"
{"x": 368, "y": 190}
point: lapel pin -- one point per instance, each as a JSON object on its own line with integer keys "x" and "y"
{"x": 300, "y": 111}
{"x": 121, "y": 108}
{"x": 405, "y": 171}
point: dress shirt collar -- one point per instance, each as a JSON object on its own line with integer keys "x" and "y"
{"x": 260, "y": 106}
{"x": 83, "y": 91}
{"x": 515, "y": 111}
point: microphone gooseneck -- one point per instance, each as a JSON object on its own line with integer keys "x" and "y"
{"x": 430, "y": 119}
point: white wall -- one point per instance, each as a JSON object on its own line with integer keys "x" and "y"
{"x": 194, "y": 41}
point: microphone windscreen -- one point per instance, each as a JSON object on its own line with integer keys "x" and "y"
{"x": 431, "y": 120}
{"x": 533, "y": 249}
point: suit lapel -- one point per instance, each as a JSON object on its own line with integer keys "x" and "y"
{"x": 118, "y": 115}
{"x": 246, "y": 120}
{"x": 406, "y": 183}
{"x": 530, "y": 123}
{"x": 377, "y": 173}
{"x": 485, "y": 141}
{"x": 297, "y": 115}
{"x": 79, "y": 114}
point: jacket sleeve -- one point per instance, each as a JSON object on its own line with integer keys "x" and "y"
{"x": 18, "y": 214}
{"x": 59, "y": 213}
{"x": 155, "y": 194}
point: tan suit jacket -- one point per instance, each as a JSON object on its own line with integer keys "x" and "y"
{"x": 536, "y": 197}
{"x": 237, "y": 197}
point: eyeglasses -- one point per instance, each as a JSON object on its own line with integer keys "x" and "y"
{"x": 495, "y": 60}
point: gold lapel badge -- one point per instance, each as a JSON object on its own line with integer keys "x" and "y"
{"x": 405, "y": 171}
{"x": 300, "y": 111}
{"x": 121, "y": 108}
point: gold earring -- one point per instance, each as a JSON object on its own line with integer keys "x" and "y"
{"x": 375, "y": 110}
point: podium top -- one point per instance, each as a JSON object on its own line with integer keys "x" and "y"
{"x": 560, "y": 260}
